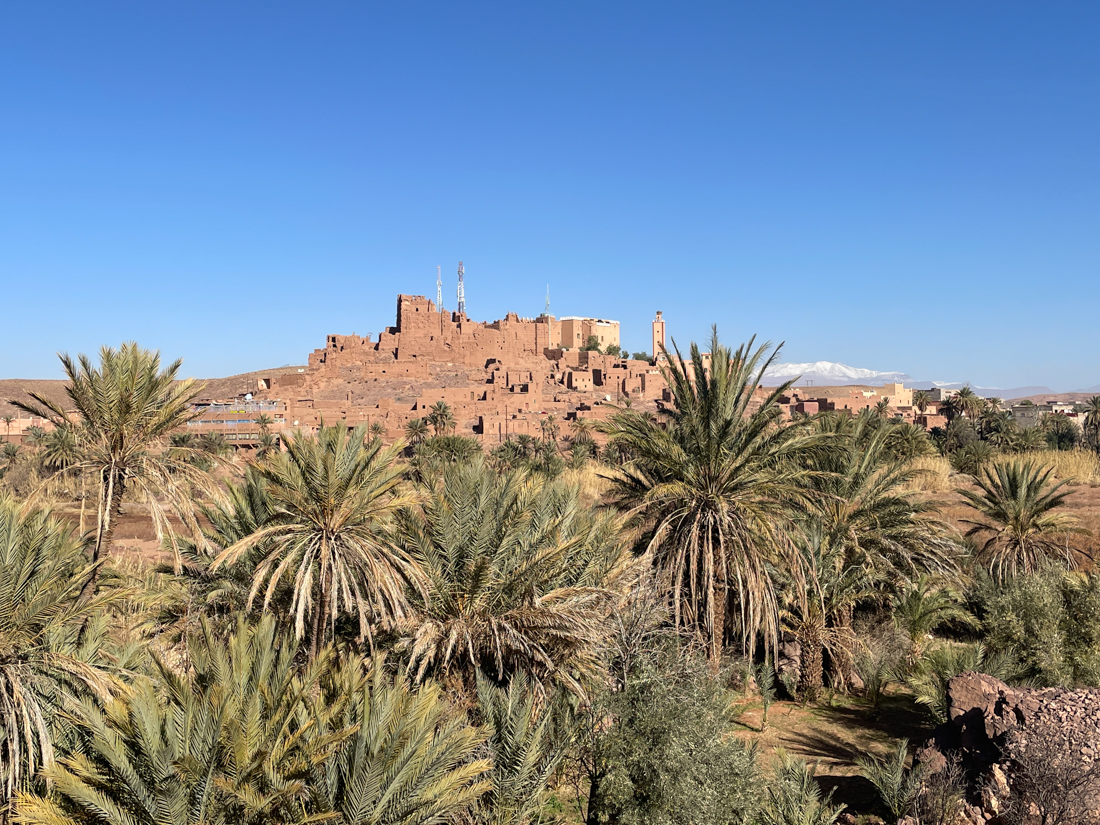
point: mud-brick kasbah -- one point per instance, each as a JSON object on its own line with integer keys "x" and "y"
{"x": 500, "y": 379}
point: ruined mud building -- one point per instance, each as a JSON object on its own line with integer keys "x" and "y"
{"x": 500, "y": 379}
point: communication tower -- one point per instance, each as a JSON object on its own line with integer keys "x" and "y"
{"x": 548, "y": 299}
{"x": 461, "y": 290}
{"x": 439, "y": 288}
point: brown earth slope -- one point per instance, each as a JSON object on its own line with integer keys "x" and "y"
{"x": 213, "y": 388}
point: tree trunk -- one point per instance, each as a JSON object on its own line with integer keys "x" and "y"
{"x": 810, "y": 680}
{"x": 321, "y": 615}
{"x": 843, "y": 661}
{"x": 109, "y": 508}
{"x": 718, "y": 622}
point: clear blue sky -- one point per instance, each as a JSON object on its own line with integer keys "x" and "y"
{"x": 899, "y": 186}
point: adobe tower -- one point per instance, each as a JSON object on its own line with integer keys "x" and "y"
{"x": 658, "y": 337}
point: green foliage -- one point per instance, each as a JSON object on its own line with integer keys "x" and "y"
{"x": 45, "y": 661}
{"x": 920, "y": 607}
{"x": 972, "y": 458}
{"x": 897, "y": 785}
{"x": 1049, "y": 621}
{"x": 433, "y": 455}
{"x": 641, "y": 356}
{"x": 592, "y": 344}
{"x": 404, "y": 756}
{"x": 929, "y": 677}
{"x": 517, "y": 578}
{"x": 211, "y": 747}
{"x": 614, "y": 350}
{"x": 1017, "y": 519}
{"x": 525, "y": 752}
{"x": 125, "y": 410}
{"x": 713, "y": 480}
{"x": 663, "y": 756}
{"x": 794, "y": 797}
{"x": 333, "y": 494}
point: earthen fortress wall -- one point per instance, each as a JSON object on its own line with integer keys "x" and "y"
{"x": 500, "y": 379}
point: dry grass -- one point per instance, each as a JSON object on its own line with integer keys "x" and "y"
{"x": 933, "y": 475}
{"x": 1081, "y": 466}
{"x": 592, "y": 484}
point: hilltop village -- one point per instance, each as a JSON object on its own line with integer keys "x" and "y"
{"x": 500, "y": 380}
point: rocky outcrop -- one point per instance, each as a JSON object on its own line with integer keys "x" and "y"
{"x": 1022, "y": 750}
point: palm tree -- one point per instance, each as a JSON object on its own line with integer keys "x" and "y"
{"x": 125, "y": 410}
{"x": 549, "y": 427}
{"x": 524, "y": 748}
{"x": 1029, "y": 441}
{"x": 816, "y": 598}
{"x": 8, "y": 420}
{"x": 377, "y": 429}
{"x": 215, "y": 444}
{"x": 969, "y": 403}
{"x": 867, "y": 514}
{"x": 264, "y": 422}
{"x": 206, "y": 593}
{"x": 222, "y": 743}
{"x": 410, "y": 759}
{"x": 333, "y": 494}
{"x": 10, "y": 453}
{"x": 950, "y": 408}
{"x": 519, "y": 574}
{"x": 267, "y": 445}
{"x": 416, "y": 431}
{"x": 34, "y": 435}
{"x": 867, "y": 517}
{"x": 441, "y": 418}
{"x": 1092, "y": 421}
{"x": 1015, "y": 514}
{"x": 921, "y": 607}
{"x": 922, "y": 400}
{"x": 714, "y": 480}
{"x": 580, "y": 430}
{"x": 44, "y": 664}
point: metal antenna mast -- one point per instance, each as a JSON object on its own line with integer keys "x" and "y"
{"x": 548, "y": 299}
{"x": 461, "y": 290}
{"x": 439, "y": 288}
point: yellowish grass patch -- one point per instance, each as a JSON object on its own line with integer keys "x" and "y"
{"x": 933, "y": 475}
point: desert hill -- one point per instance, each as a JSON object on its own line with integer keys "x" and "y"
{"x": 230, "y": 386}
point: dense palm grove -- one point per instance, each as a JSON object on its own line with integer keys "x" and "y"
{"x": 346, "y": 631}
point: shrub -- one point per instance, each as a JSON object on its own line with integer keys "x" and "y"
{"x": 660, "y": 753}
{"x": 897, "y": 785}
{"x": 794, "y": 797}
{"x": 1050, "y": 621}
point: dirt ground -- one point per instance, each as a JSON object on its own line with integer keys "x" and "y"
{"x": 832, "y": 734}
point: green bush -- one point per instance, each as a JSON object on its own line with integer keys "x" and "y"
{"x": 1050, "y": 621}
{"x": 663, "y": 754}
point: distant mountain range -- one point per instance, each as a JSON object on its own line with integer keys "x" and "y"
{"x": 832, "y": 374}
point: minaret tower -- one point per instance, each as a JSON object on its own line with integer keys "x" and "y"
{"x": 658, "y": 337}
{"x": 461, "y": 290}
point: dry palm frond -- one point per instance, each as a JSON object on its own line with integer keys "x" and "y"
{"x": 1016, "y": 515}
{"x": 714, "y": 480}
{"x": 44, "y": 665}
{"x": 125, "y": 411}
{"x": 518, "y": 576}
{"x": 332, "y": 494}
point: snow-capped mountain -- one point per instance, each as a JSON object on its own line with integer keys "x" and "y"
{"x": 829, "y": 373}
{"x": 832, "y": 374}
